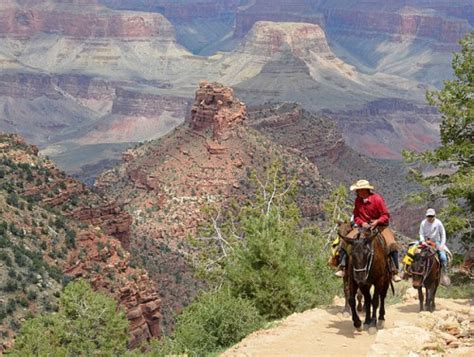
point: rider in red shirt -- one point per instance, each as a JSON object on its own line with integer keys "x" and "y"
{"x": 370, "y": 207}
{"x": 371, "y": 212}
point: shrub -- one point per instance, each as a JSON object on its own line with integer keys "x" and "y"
{"x": 214, "y": 321}
{"x": 10, "y": 286}
{"x": 87, "y": 324}
{"x": 70, "y": 238}
{"x": 12, "y": 199}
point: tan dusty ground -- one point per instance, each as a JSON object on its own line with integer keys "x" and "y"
{"x": 329, "y": 332}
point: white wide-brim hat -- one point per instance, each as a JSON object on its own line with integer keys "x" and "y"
{"x": 361, "y": 184}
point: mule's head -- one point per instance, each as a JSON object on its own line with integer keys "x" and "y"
{"x": 417, "y": 268}
{"x": 361, "y": 254}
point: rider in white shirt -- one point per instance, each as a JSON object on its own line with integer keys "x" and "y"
{"x": 433, "y": 230}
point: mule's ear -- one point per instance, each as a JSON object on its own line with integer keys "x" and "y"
{"x": 346, "y": 239}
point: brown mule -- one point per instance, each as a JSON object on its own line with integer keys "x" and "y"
{"x": 426, "y": 272}
{"x": 368, "y": 266}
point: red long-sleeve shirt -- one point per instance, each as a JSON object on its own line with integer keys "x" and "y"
{"x": 370, "y": 209}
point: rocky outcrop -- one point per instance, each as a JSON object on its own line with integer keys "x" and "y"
{"x": 107, "y": 267}
{"x": 110, "y": 218}
{"x": 216, "y": 108}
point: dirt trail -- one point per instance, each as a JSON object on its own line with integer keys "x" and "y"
{"x": 329, "y": 332}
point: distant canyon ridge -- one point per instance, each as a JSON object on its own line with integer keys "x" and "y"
{"x": 86, "y": 79}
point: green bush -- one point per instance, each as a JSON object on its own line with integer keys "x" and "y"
{"x": 87, "y": 324}
{"x": 214, "y": 321}
{"x": 280, "y": 268}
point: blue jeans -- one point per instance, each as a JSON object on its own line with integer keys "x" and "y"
{"x": 442, "y": 257}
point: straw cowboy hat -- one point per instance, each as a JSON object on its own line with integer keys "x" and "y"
{"x": 361, "y": 184}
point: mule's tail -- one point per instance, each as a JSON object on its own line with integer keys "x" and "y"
{"x": 391, "y": 285}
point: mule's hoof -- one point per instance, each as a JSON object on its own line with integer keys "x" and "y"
{"x": 366, "y": 326}
{"x": 372, "y": 330}
{"x": 380, "y": 324}
{"x": 359, "y": 328}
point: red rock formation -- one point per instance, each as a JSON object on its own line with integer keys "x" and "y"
{"x": 106, "y": 266}
{"x": 216, "y": 108}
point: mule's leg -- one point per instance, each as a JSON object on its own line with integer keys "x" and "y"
{"x": 375, "y": 305}
{"x": 359, "y": 301}
{"x": 428, "y": 299}
{"x": 420, "y": 297}
{"x": 352, "y": 302}
{"x": 367, "y": 301}
{"x": 383, "y": 295}
{"x": 433, "y": 305}
{"x": 347, "y": 307}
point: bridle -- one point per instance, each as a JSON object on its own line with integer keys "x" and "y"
{"x": 427, "y": 266}
{"x": 368, "y": 265}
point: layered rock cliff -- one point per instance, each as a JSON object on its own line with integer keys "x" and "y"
{"x": 79, "y": 19}
{"x": 441, "y": 20}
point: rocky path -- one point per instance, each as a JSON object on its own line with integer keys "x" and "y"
{"x": 328, "y": 332}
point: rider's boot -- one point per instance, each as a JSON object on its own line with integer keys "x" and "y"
{"x": 342, "y": 267}
{"x": 445, "y": 281}
{"x": 395, "y": 277}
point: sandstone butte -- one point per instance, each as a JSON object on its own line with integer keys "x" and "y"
{"x": 103, "y": 233}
